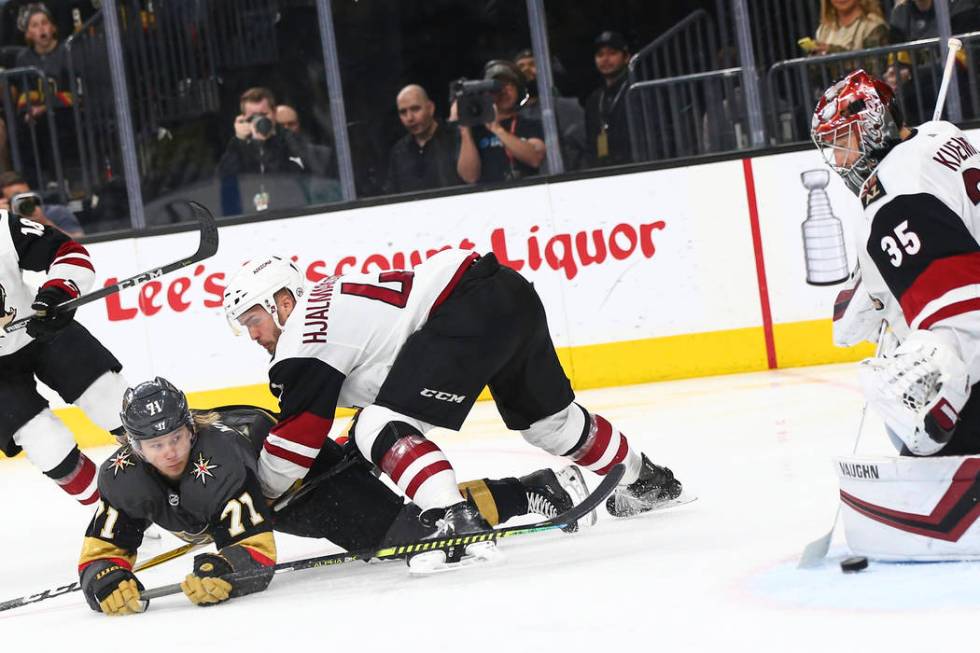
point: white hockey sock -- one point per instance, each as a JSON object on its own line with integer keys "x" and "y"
{"x": 420, "y": 469}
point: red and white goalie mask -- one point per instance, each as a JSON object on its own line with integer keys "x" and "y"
{"x": 854, "y": 126}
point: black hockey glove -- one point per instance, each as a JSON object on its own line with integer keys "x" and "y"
{"x": 49, "y": 321}
{"x": 112, "y": 589}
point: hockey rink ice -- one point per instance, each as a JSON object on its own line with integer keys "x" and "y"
{"x": 718, "y": 574}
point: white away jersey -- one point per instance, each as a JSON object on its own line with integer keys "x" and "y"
{"x": 336, "y": 349}
{"x": 28, "y": 245}
{"x": 921, "y": 235}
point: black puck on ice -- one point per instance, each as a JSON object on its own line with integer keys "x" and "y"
{"x": 851, "y": 565}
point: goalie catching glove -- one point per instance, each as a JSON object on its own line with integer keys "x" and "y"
{"x": 209, "y": 583}
{"x": 919, "y": 391}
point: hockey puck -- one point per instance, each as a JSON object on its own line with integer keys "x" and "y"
{"x": 851, "y": 565}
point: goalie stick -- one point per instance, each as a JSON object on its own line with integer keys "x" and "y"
{"x": 74, "y": 587}
{"x": 590, "y": 503}
{"x": 208, "y": 247}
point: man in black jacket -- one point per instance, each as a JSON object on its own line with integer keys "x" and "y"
{"x": 258, "y": 148}
{"x": 606, "y": 129}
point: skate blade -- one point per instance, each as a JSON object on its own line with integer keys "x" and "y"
{"x": 571, "y": 479}
{"x": 428, "y": 565}
{"x": 684, "y": 499}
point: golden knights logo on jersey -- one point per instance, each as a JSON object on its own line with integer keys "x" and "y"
{"x": 6, "y": 317}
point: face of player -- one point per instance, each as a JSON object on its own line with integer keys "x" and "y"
{"x": 416, "y": 113}
{"x": 168, "y": 453}
{"x": 610, "y": 61}
{"x": 261, "y": 327}
{"x": 847, "y": 149}
{"x": 40, "y": 32}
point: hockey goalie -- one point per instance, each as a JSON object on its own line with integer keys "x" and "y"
{"x": 919, "y": 272}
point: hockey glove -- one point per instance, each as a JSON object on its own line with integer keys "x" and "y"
{"x": 48, "y": 320}
{"x": 113, "y": 590}
{"x": 919, "y": 390}
{"x": 205, "y": 586}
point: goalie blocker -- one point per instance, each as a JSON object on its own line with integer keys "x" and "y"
{"x": 915, "y": 509}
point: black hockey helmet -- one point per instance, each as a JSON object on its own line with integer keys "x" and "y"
{"x": 154, "y": 408}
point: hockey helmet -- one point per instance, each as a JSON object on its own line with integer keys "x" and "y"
{"x": 857, "y": 121}
{"x": 154, "y": 408}
{"x": 257, "y": 283}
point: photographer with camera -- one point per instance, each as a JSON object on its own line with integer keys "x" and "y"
{"x": 505, "y": 146}
{"x": 425, "y": 157}
{"x": 258, "y": 148}
{"x": 19, "y": 199}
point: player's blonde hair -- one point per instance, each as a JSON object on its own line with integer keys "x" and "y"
{"x": 204, "y": 420}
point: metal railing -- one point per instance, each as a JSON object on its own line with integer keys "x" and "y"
{"x": 913, "y": 69}
{"x": 690, "y": 46}
{"x": 40, "y": 159}
{"x": 687, "y": 115}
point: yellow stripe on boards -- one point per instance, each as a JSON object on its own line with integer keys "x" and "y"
{"x": 597, "y": 366}
{"x": 811, "y": 343}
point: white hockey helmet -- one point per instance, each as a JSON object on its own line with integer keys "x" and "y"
{"x": 257, "y": 283}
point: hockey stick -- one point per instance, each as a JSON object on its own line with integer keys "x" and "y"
{"x": 814, "y": 552}
{"x": 207, "y": 248}
{"x": 952, "y": 47}
{"x": 74, "y": 587}
{"x": 573, "y": 514}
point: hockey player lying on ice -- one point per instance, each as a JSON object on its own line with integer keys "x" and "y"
{"x": 414, "y": 348}
{"x": 193, "y": 473}
{"x": 919, "y": 269}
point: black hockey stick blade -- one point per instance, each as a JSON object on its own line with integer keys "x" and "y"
{"x": 207, "y": 248}
{"x": 74, "y": 587}
{"x": 573, "y": 514}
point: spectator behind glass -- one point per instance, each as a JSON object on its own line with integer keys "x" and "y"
{"x": 318, "y": 157}
{"x": 258, "y": 148}
{"x": 44, "y": 51}
{"x": 912, "y": 20}
{"x": 425, "y": 157}
{"x": 55, "y": 215}
{"x": 848, "y": 25}
{"x": 606, "y": 130}
{"x": 568, "y": 113}
{"x": 512, "y": 146}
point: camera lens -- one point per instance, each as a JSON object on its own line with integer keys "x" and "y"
{"x": 263, "y": 125}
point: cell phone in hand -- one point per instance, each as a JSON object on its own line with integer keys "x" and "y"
{"x": 807, "y": 44}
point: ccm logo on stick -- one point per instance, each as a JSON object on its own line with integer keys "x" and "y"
{"x": 443, "y": 396}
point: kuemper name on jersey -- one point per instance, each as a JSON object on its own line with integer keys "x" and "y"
{"x": 859, "y": 471}
{"x": 954, "y": 152}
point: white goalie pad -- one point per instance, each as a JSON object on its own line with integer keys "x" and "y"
{"x": 919, "y": 390}
{"x": 915, "y": 509}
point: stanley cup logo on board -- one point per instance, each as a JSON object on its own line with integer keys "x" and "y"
{"x": 823, "y": 233}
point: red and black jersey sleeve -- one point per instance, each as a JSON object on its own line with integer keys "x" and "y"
{"x": 40, "y": 248}
{"x": 308, "y": 389}
{"x": 928, "y": 258}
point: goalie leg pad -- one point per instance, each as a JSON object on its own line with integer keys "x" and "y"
{"x": 919, "y": 391}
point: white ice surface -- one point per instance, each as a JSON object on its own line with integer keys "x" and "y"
{"x": 716, "y": 575}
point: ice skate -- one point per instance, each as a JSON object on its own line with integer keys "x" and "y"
{"x": 459, "y": 519}
{"x": 655, "y": 486}
{"x": 551, "y": 493}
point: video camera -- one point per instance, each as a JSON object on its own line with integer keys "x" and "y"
{"x": 474, "y": 100}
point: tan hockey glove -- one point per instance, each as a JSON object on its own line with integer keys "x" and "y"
{"x": 205, "y": 586}
{"x": 114, "y": 591}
